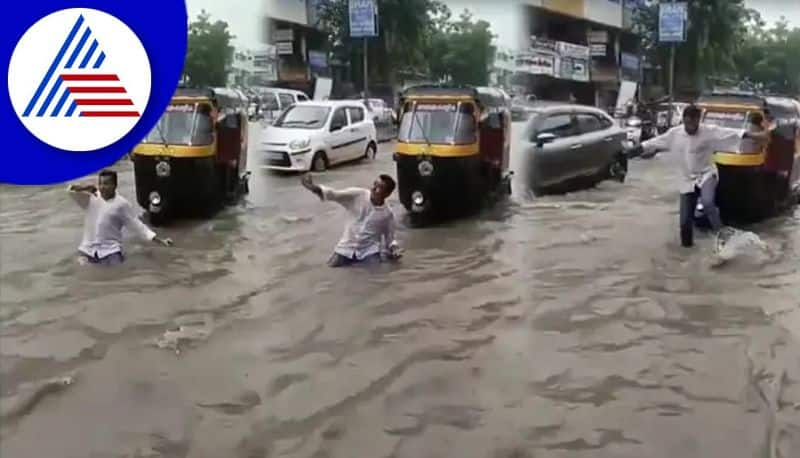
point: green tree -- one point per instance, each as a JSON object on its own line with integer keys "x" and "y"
{"x": 462, "y": 50}
{"x": 209, "y": 52}
{"x": 716, "y": 30}
{"x": 403, "y": 27}
{"x": 768, "y": 57}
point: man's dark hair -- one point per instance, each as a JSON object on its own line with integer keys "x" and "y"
{"x": 108, "y": 173}
{"x": 692, "y": 112}
{"x": 390, "y": 184}
{"x": 756, "y": 118}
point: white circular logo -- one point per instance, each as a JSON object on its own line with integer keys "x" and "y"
{"x": 79, "y": 79}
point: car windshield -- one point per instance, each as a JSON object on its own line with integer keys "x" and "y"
{"x": 733, "y": 120}
{"x": 438, "y": 123}
{"x": 304, "y": 117}
{"x": 185, "y": 124}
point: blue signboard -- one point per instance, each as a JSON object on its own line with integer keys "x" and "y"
{"x": 363, "y": 18}
{"x": 317, "y": 59}
{"x": 633, "y": 4}
{"x": 672, "y": 22}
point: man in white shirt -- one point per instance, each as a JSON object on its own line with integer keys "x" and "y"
{"x": 369, "y": 237}
{"x": 107, "y": 213}
{"x": 697, "y": 143}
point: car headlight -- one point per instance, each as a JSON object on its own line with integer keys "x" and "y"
{"x": 299, "y": 144}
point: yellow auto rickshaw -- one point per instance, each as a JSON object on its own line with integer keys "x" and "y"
{"x": 195, "y": 158}
{"x": 452, "y": 148}
{"x": 756, "y": 180}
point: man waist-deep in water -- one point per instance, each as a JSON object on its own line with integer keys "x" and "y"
{"x": 370, "y": 235}
{"x": 699, "y": 177}
{"x": 107, "y": 213}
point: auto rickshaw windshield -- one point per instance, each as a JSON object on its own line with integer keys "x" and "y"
{"x": 730, "y": 119}
{"x": 444, "y": 123}
{"x": 183, "y": 124}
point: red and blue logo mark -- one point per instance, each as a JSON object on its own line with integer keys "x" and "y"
{"x": 95, "y": 92}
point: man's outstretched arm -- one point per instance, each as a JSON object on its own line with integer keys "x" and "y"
{"x": 344, "y": 197}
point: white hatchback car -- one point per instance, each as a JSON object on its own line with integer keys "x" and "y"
{"x": 316, "y": 135}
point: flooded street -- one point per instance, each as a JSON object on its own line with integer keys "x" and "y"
{"x": 566, "y": 326}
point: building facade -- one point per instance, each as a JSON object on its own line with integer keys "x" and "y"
{"x": 578, "y": 48}
{"x": 292, "y": 27}
{"x": 251, "y": 68}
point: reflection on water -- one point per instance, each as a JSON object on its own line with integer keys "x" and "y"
{"x": 572, "y": 326}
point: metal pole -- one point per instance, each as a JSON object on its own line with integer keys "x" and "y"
{"x": 672, "y": 80}
{"x": 671, "y": 83}
{"x": 366, "y": 72}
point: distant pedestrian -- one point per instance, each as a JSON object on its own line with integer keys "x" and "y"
{"x": 107, "y": 213}
{"x": 370, "y": 235}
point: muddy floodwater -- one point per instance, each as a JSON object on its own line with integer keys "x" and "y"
{"x": 565, "y": 326}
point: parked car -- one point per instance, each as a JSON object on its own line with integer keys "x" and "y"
{"x": 565, "y": 142}
{"x": 273, "y": 101}
{"x": 317, "y": 135}
{"x": 384, "y": 118}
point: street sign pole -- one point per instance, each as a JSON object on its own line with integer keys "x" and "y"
{"x": 366, "y": 68}
{"x": 672, "y": 29}
{"x": 671, "y": 81}
{"x": 364, "y": 24}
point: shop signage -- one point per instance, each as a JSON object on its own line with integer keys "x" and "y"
{"x": 629, "y": 61}
{"x": 539, "y": 44}
{"x": 285, "y": 48}
{"x": 598, "y": 50}
{"x": 573, "y": 69}
{"x": 317, "y": 59}
{"x": 536, "y": 64}
{"x": 282, "y": 35}
{"x": 598, "y": 36}
{"x": 572, "y": 50}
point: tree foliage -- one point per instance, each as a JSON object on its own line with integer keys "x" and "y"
{"x": 715, "y": 31}
{"x": 725, "y": 40}
{"x": 417, "y": 36}
{"x": 770, "y": 56}
{"x": 209, "y": 52}
{"x": 461, "y": 51}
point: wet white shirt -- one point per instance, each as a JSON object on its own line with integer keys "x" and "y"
{"x": 104, "y": 221}
{"x": 372, "y": 229}
{"x": 697, "y": 150}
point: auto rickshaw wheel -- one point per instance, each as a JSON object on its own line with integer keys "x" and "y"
{"x": 320, "y": 162}
{"x": 157, "y": 219}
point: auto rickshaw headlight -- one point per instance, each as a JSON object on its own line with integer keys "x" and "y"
{"x": 425, "y": 168}
{"x": 417, "y": 198}
{"x": 155, "y": 198}
{"x": 299, "y": 144}
{"x": 163, "y": 169}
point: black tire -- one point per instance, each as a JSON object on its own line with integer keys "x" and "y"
{"x": 617, "y": 170}
{"x": 320, "y": 162}
{"x": 157, "y": 219}
{"x": 371, "y": 151}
